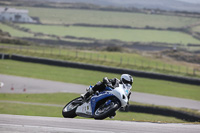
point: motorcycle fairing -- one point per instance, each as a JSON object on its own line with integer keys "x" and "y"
{"x": 96, "y": 98}
{"x": 84, "y": 110}
{"x": 108, "y": 88}
{"x": 87, "y": 109}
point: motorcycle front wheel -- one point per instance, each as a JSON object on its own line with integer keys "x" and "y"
{"x": 105, "y": 110}
{"x": 69, "y": 111}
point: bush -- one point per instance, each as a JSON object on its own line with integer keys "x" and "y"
{"x": 114, "y": 48}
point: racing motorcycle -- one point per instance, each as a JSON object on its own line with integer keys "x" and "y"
{"x": 98, "y": 106}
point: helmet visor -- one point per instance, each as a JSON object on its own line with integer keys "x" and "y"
{"x": 127, "y": 82}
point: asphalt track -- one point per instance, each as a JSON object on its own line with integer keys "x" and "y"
{"x": 16, "y": 84}
{"x": 36, "y": 124}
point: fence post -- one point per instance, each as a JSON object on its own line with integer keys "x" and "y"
{"x": 187, "y": 70}
{"x": 51, "y": 51}
{"x": 27, "y": 49}
{"x": 20, "y": 48}
{"x": 59, "y": 51}
{"x": 194, "y": 71}
{"x": 97, "y": 57}
{"x": 171, "y": 68}
{"x": 156, "y": 65}
{"x": 105, "y": 57}
{"x": 90, "y": 56}
{"x": 112, "y": 60}
{"x": 43, "y": 51}
{"x": 2, "y": 56}
{"x": 67, "y": 53}
{"x": 163, "y": 66}
{"x": 76, "y": 53}
{"x": 84, "y": 55}
{"x": 141, "y": 63}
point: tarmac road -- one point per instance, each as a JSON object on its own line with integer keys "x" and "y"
{"x": 16, "y": 84}
{"x": 36, "y": 124}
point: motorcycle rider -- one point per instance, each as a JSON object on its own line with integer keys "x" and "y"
{"x": 126, "y": 80}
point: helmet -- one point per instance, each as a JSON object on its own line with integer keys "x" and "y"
{"x": 127, "y": 80}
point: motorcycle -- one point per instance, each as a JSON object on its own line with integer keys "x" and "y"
{"x": 98, "y": 106}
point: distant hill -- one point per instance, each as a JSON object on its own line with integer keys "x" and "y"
{"x": 170, "y": 5}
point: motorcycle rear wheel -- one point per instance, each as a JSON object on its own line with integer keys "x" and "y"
{"x": 69, "y": 111}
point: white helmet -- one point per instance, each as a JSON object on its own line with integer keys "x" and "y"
{"x": 127, "y": 80}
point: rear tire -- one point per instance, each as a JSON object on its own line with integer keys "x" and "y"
{"x": 104, "y": 112}
{"x": 69, "y": 111}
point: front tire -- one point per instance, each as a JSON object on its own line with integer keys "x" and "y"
{"x": 69, "y": 111}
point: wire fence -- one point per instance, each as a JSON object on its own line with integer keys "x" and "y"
{"x": 114, "y": 59}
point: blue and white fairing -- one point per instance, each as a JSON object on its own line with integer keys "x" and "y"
{"x": 88, "y": 108}
{"x": 102, "y": 95}
{"x": 121, "y": 93}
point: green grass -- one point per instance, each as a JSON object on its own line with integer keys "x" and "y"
{"x": 196, "y": 29}
{"x": 71, "y": 16}
{"x": 34, "y": 110}
{"x": 49, "y": 98}
{"x": 129, "y": 35}
{"x": 14, "y": 32}
{"x": 31, "y": 110}
{"x": 87, "y": 77}
{"x": 62, "y": 99}
{"x": 133, "y": 116}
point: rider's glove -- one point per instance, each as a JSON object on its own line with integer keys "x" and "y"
{"x": 110, "y": 85}
{"x": 107, "y": 82}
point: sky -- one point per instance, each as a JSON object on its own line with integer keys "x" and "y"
{"x": 191, "y": 1}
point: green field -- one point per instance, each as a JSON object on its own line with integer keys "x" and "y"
{"x": 196, "y": 29}
{"x": 71, "y": 16}
{"x": 129, "y": 35}
{"x": 14, "y": 32}
{"x": 87, "y": 77}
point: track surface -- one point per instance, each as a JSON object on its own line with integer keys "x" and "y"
{"x": 36, "y": 124}
{"x": 32, "y": 85}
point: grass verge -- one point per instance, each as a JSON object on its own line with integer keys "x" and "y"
{"x": 62, "y": 99}
{"x": 34, "y": 110}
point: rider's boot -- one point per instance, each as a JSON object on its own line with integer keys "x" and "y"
{"x": 112, "y": 115}
{"x": 87, "y": 94}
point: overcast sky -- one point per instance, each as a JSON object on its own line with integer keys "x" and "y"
{"x": 191, "y": 1}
